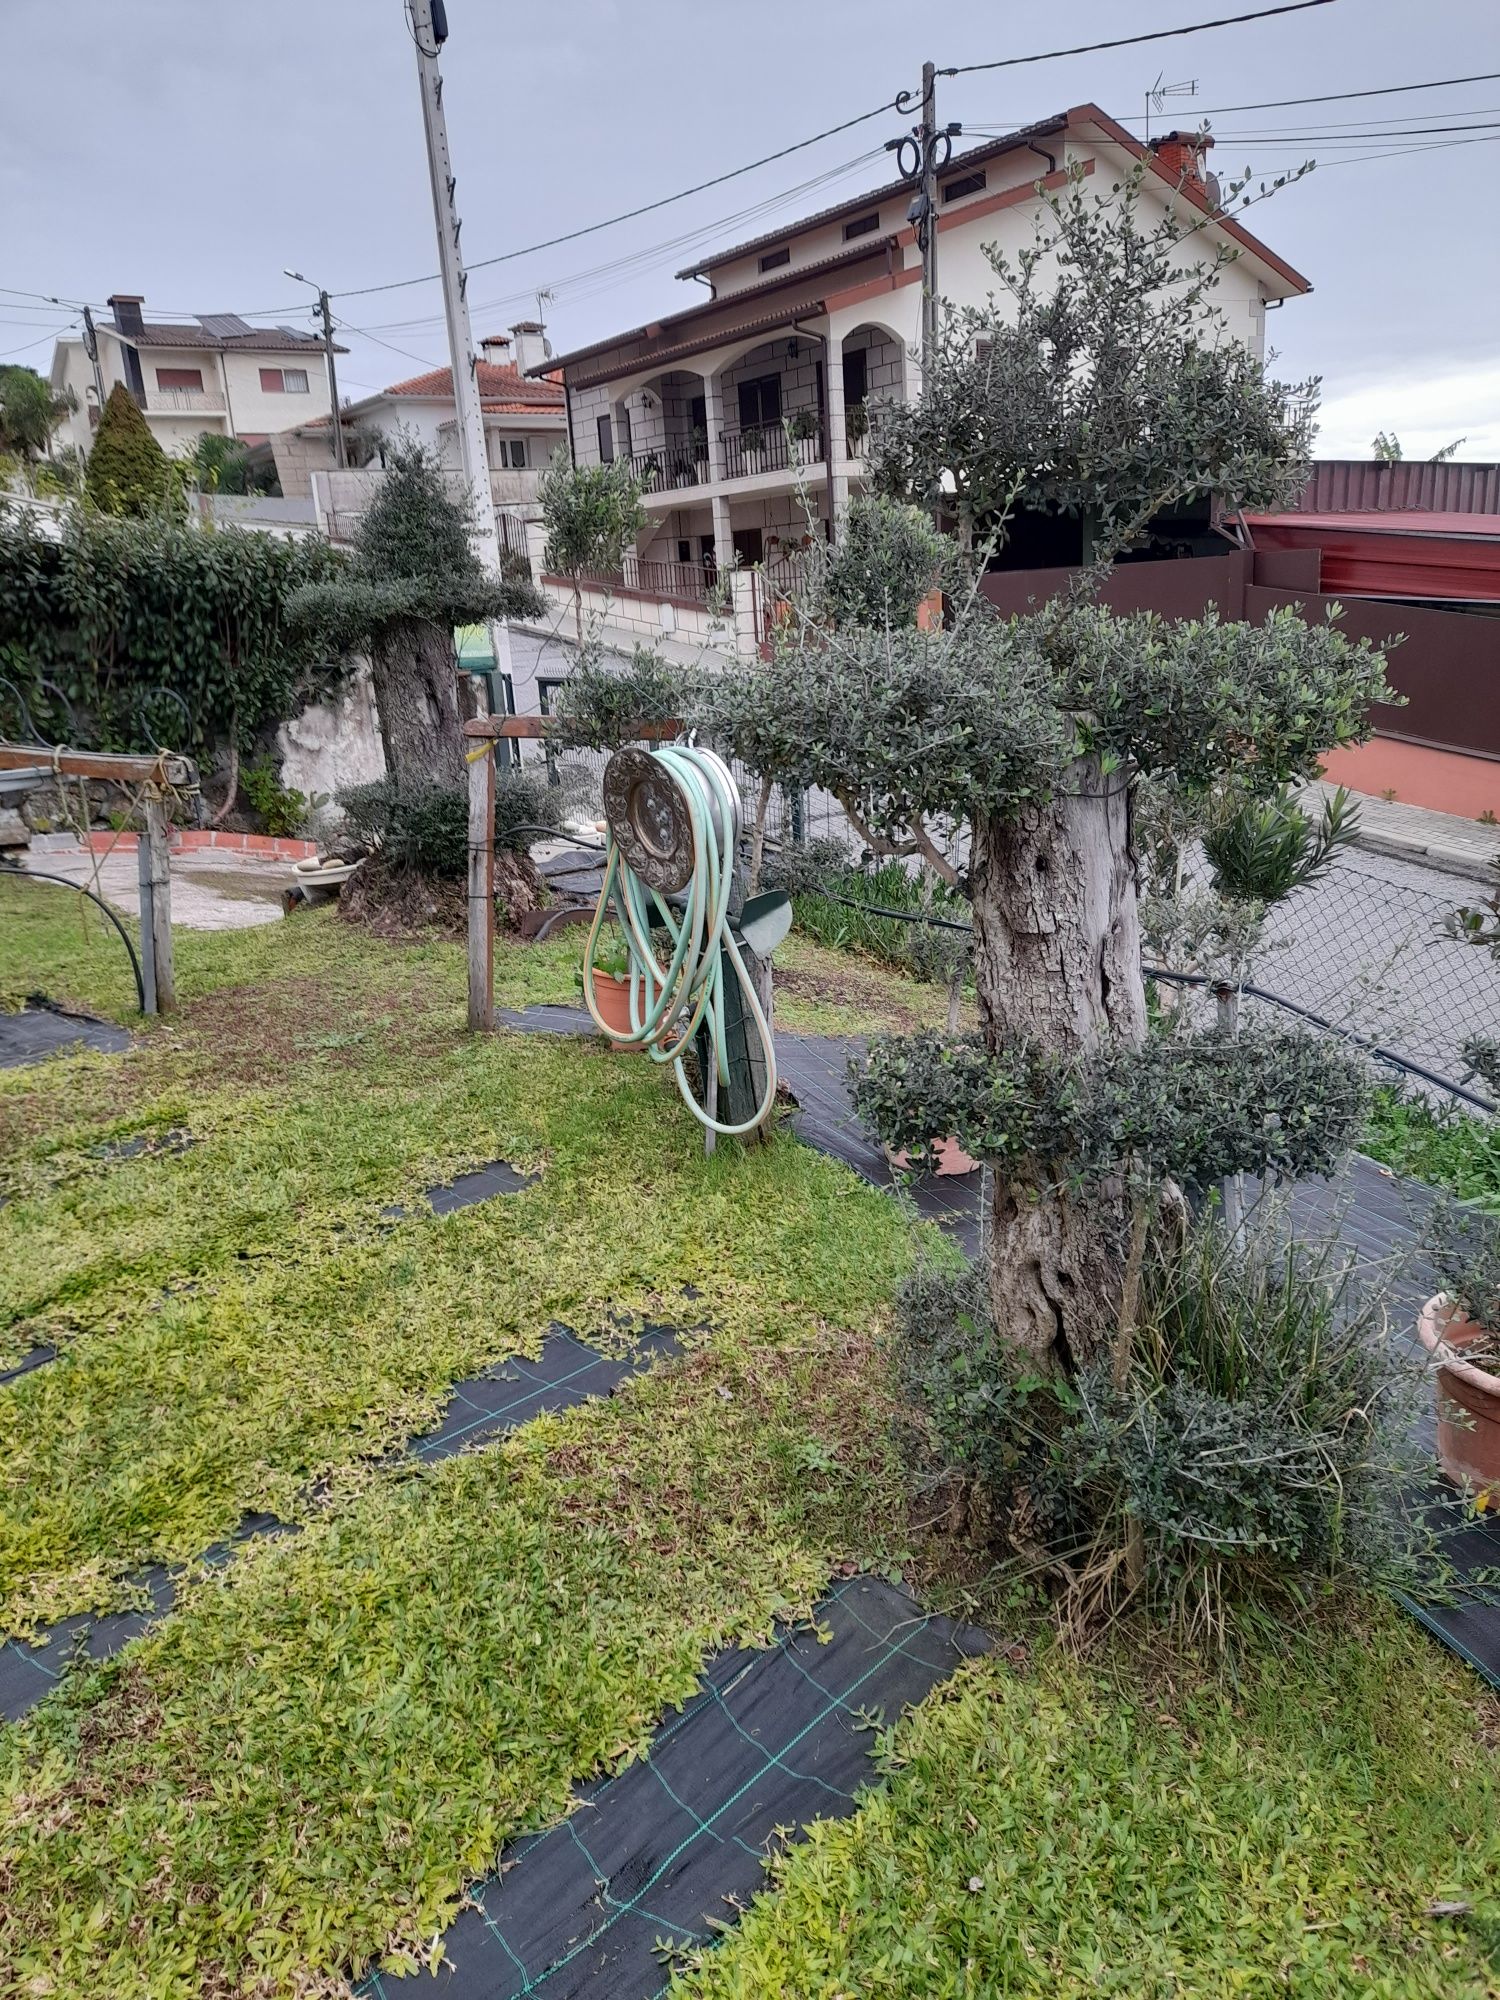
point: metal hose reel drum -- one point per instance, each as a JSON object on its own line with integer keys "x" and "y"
{"x": 674, "y": 830}
{"x": 651, "y": 817}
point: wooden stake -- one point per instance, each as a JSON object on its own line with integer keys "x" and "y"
{"x": 482, "y": 890}
{"x": 154, "y": 861}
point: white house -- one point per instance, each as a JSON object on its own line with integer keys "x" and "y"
{"x": 217, "y": 374}
{"x": 748, "y": 410}
{"x": 525, "y": 420}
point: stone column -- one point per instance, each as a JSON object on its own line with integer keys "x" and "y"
{"x": 713, "y": 406}
{"x": 833, "y": 393}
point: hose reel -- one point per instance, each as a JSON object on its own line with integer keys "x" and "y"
{"x": 674, "y": 831}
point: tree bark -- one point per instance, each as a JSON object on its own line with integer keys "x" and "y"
{"x": 416, "y": 699}
{"x": 1057, "y": 962}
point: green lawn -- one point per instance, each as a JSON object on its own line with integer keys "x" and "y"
{"x": 298, "y": 1772}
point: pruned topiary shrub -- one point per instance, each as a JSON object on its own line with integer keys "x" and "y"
{"x": 416, "y": 878}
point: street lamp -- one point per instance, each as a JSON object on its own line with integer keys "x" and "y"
{"x": 333, "y": 380}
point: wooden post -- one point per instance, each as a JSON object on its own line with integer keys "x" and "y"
{"x": 482, "y": 888}
{"x": 156, "y": 909}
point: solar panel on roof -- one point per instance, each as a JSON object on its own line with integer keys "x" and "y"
{"x": 295, "y": 333}
{"x": 222, "y": 325}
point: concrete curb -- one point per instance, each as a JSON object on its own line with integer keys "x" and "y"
{"x": 1431, "y": 854}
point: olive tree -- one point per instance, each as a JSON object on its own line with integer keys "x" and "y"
{"x": 1017, "y": 743}
{"x": 592, "y": 514}
{"x": 413, "y": 576}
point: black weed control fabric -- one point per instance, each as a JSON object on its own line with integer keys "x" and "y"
{"x": 1471, "y": 1626}
{"x": 567, "y": 1371}
{"x": 658, "y": 1857}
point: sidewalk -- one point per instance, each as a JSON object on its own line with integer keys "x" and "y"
{"x": 1413, "y": 833}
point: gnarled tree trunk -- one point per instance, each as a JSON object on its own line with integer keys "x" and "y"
{"x": 1057, "y": 960}
{"x": 416, "y": 699}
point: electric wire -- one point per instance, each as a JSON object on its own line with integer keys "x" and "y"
{"x": 1131, "y": 41}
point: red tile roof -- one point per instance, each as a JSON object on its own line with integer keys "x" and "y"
{"x": 496, "y": 385}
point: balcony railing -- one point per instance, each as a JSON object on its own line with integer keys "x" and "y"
{"x": 752, "y": 448}
{"x": 692, "y": 581}
{"x": 173, "y": 402}
{"x": 666, "y": 467}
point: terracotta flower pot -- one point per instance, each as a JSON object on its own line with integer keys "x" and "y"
{"x": 1468, "y": 1398}
{"x": 950, "y": 1159}
{"x": 612, "y": 999}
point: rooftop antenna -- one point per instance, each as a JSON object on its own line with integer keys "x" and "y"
{"x": 1160, "y": 91}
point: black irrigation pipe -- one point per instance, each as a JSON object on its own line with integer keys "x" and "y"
{"x": 63, "y": 881}
{"x": 1375, "y": 1049}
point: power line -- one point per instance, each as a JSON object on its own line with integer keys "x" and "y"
{"x": 27, "y": 346}
{"x": 1343, "y": 96}
{"x": 648, "y": 208}
{"x": 1130, "y": 41}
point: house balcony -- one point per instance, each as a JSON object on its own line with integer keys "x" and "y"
{"x": 787, "y": 446}
{"x": 673, "y": 466}
{"x": 184, "y": 402}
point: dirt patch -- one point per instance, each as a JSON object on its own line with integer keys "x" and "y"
{"x": 399, "y": 904}
{"x": 852, "y": 986}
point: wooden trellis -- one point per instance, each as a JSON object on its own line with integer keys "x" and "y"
{"x": 155, "y": 776}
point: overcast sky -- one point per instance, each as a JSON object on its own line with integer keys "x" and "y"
{"x": 189, "y": 149}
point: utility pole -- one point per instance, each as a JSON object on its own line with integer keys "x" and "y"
{"x": 429, "y": 25}
{"x": 340, "y": 457}
{"x": 91, "y": 349}
{"x": 920, "y": 157}
{"x": 929, "y": 202}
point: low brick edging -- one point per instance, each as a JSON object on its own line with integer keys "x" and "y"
{"x": 192, "y": 839}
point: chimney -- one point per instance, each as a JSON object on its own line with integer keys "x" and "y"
{"x": 126, "y": 307}
{"x": 495, "y": 349}
{"x": 532, "y": 345}
{"x": 1180, "y": 156}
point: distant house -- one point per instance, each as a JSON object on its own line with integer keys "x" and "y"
{"x": 747, "y": 415}
{"x": 215, "y": 374}
{"x": 525, "y": 420}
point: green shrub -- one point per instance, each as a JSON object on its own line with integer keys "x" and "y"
{"x": 1434, "y": 1143}
{"x": 847, "y": 914}
{"x": 282, "y": 809}
{"x": 1259, "y": 1443}
{"x": 128, "y": 472}
{"x": 426, "y": 827}
{"x": 1464, "y": 1246}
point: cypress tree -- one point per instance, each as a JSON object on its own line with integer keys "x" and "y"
{"x": 128, "y": 472}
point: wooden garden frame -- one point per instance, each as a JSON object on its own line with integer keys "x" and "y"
{"x": 483, "y": 732}
{"x": 156, "y": 776}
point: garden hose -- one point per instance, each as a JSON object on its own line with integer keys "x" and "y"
{"x": 674, "y": 823}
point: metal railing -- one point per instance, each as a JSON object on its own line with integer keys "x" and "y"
{"x": 666, "y": 467}
{"x": 752, "y": 448}
{"x": 689, "y": 580}
{"x": 162, "y": 402}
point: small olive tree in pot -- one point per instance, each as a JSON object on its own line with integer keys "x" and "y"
{"x": 1020, "y": 740}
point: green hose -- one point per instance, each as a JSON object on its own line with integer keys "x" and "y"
{"x": 669, "y": 1003}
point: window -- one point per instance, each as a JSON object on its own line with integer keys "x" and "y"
{"x": 856, "y": 375}
{"x": 965, "y": 184}
{"x": 283, "y": 381}
{"x": 627, "y": 444}
{"x": 748, "y": 545}
{"x": 508, "y": 453}
{"x": 606, "y": 442}
{"x": 698, "y": 415}
{"x": 862, "y": 225}
{"x": 179, "y": 378}
{"x": 760, "y": 402}
{"x": 775, "y": 259}
{"x": 684, "y": 550}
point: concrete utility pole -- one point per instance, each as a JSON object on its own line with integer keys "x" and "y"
{"x": 91, "y": 349}
{"x": 929, "y": 198}
{"x": 429, "y": 27}
{"x": 340, "y": 457}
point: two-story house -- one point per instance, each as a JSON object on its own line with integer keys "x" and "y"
{"x": 525, "y": 421}
{"x": 215, "y": 374}
{"x": 747, "y": 416}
